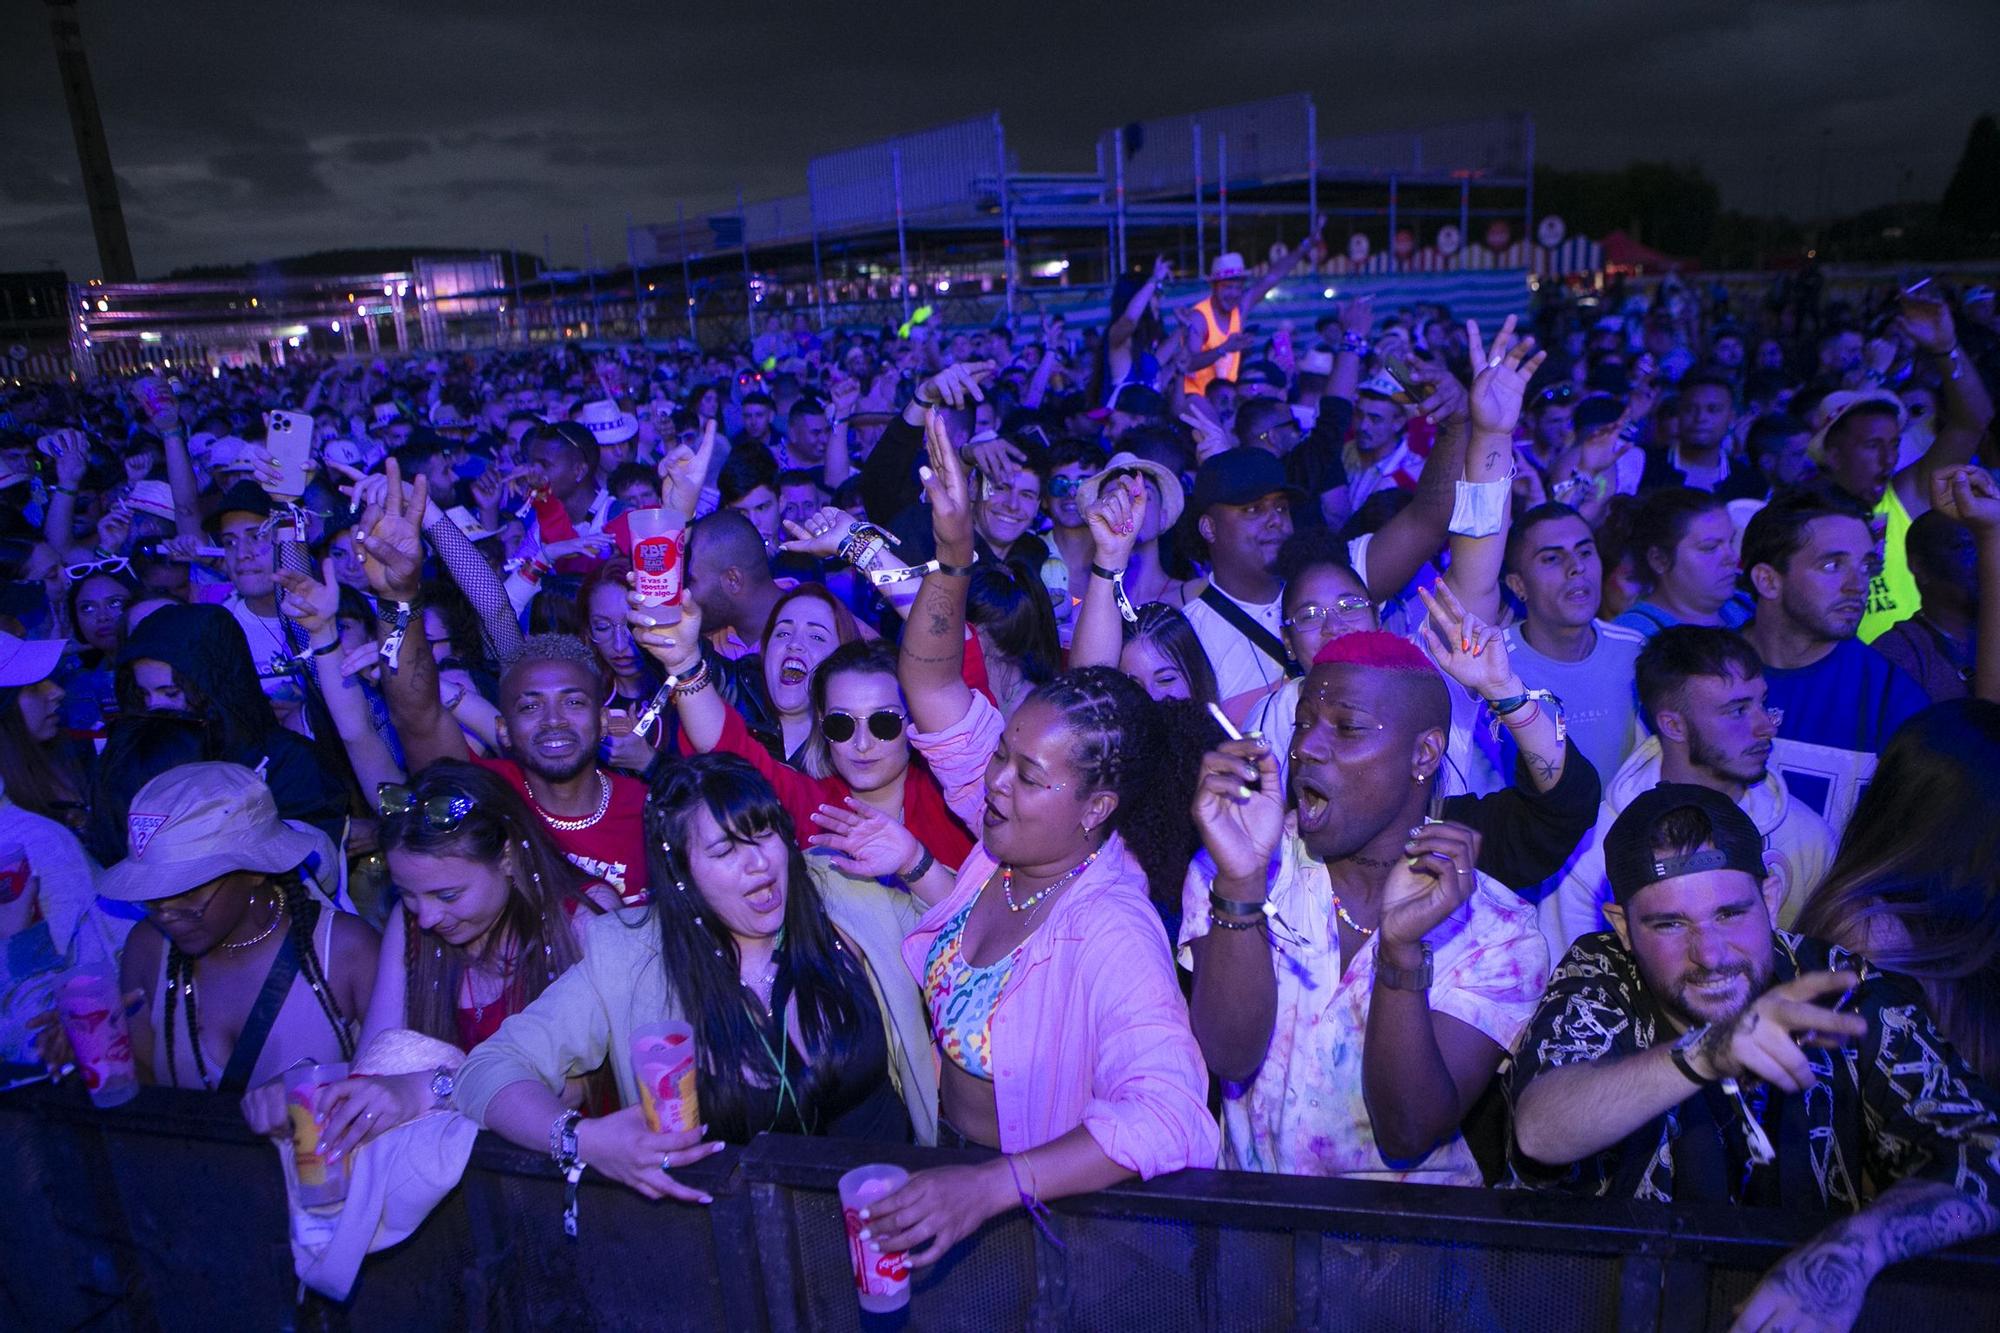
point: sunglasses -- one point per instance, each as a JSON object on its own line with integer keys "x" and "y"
{"x": 1062, "y": 488}
{"x": 441, "y": 814}
{"x": 883, "y": 724}
{"x": 1349, "y": 606}
{"x": 1558, "y": 393}
{"x": 116, "y": 564}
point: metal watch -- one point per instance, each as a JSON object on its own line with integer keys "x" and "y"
{"x": 1679, "y": 1051}
{"x": 1400, "y": 978}
{"x": 443, "y": 1084}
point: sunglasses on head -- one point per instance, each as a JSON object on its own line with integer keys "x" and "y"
{"x": 884, "y": 725}
{"x": 116, "y": 564}
{"x": 441, "y": 814}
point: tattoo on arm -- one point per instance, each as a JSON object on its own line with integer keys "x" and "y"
{"x": 1829, "y": 1276}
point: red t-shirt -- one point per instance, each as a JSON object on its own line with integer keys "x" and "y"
{"x": 614, "y": 848}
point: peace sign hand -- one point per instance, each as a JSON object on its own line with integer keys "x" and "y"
{"x": 1501, "y": 377}
{"x": 392, "y": 546}
{"x": 1466, "y": 648}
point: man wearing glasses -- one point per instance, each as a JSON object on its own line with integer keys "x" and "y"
{"x": 1703, "y": 687}
{"x": 1689, "y": 1055}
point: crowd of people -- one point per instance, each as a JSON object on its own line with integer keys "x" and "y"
{"x": 1560, "y": 756}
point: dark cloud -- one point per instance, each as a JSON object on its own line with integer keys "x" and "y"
{"x": 484, "y": 122}
{"x": 384, "y": 152}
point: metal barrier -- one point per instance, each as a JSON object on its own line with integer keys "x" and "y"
{"x": 167, "y": 1214}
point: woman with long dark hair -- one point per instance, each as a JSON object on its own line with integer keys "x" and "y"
{"x": 489, "y": 913}
{"x": 1914, "y": 883}
{"x": 804, "y": 1019}
{"x": 98, "y": 594}
{"x": 42, "y": 772}
{"x": 1009, "y": 612}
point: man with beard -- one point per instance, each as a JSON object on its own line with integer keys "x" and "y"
{"x": 551, "y": 719}
{"x": 1860, "y": 439}
{"x": 1809, "y": 560}
{"x": 1356, "y": 980}
{"x": 1688, "y": 1056}
{"x": 1703, "y": 688}
{"x": 1553, "y": 568}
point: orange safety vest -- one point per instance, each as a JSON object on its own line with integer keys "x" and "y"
{"x": 1214, "y": 335}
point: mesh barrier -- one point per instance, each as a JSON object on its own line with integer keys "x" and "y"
{"x": 168, "y": 1214}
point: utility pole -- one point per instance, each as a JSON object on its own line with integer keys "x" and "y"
{"x": 93, "y": 153}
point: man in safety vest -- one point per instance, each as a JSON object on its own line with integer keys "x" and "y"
{"x": 1215, "y": 323}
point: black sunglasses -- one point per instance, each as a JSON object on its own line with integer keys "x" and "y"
{"x": 1059, "y": 487}
{"x": 883, "y": 725}
{"x": 441, "y": 814}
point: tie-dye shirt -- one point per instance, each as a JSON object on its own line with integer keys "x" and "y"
{"x": 1302, "y": 1112}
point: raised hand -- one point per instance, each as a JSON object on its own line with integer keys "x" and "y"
{"x": 955, "y": 384}
{"x": 1968, "y": 495}
{"x": 72, "y": 458}
{"x": 946, "y": 488}
{"x": 115, "y": 528}
{"x": 392, "y": 545}
{"x": 1764, "y": 1041}
{"x": 1430, "y": 881}
{"x": 1447, "y": 399}
{"x": 1501, "y": 375}
{"x": 1357, "y": 315}
{"x": 1115, "y": 518}
{"x": 685, "y": 470}
{"x": 672, "y": 634}
{"x": 822, "y": 532}
{"x": 1927, "y": 322}
{"x": 1466, "y": 648}
{"x": 842, "y": 395}
{"x": 870, "y": 842}
{"x": 311, "y": 602}
{"x": 1211, "y": 437}
{"x": 1239, "y": 810}
{"x": 1162, "y": 270}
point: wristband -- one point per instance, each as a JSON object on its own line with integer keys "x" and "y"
{"x": 956, "y": 571}
{"x": 392, "y": 646}
{"x": 694, "y": 682}
{"x": 563, "y": 1151}
{"x": 1356, "y": 343}
{"x": 1116, "y": 578}
{"x": 1678, "y": 1051}
{"x": 1219, "y": 906}
{"x": 1479, "y": 508}
{"x": 923, "y": 867}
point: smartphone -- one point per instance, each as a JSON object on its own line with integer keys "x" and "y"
{"x": 289, "y": 438}
{"x": 1399, "y": 371}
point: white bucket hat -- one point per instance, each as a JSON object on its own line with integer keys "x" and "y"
{"x": 197, "y": 823}
{"x": 28, "y": 661}
{"x": 1172, "y": 498}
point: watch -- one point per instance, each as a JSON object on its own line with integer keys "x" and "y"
{"x": 443, "y": 1084}
{"x": 1679, "y": 1052}
{"x": 1401, "y": 978}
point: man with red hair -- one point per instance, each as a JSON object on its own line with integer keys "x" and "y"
{"x": 1357, "y": 980}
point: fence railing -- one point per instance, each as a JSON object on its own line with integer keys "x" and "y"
{"x": 167, "y": 1213}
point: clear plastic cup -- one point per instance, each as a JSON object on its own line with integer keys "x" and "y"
{"x": 93, "y": 1018}
{"x": 322, "y": 1183}
{"x": 663, "y": 1066}
{"x": 659, "y": 541}
{"x": 881, "y": 1281}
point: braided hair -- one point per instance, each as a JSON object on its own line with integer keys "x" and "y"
{"x": 302, "y": 912}
{"x": 1118, "y": 744}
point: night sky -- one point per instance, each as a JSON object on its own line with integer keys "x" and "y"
{"x": 245, "y": 132}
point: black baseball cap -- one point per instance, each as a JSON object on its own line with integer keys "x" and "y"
{"x": 1631, "y": 863}
{"x": 1600, "y": 409}
{"x": 1134, "y": 400}
{"x": 1239, "y": 476}
{"x": 1263, "y": 372}
{"x": 245, "y": 497}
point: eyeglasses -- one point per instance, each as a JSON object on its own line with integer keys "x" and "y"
{"x": 116, "y": 564}
{"x": 883, "y": 724}
{"x": 441, "y": 814}
{"x": 1349, "y": 606}
{"x": 158, "y": 910}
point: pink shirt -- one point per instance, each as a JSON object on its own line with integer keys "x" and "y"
{"x": 1090, "y": 1028}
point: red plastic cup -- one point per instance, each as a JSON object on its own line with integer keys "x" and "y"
{"x": 322, "y": 1183}
{"x": 663, "y": 1065}
{"x": 658, "y": 545}
{"x": 93, "y": 1018}
{"x": 881, "y": 1281}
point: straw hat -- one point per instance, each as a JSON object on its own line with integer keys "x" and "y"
{"x": 607, "y": 422}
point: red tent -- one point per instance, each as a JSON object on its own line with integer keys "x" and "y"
{"x": 1621, "y": 251}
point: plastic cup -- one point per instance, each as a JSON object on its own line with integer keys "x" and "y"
{"x": 93, "y": 1018}
{"x": 14, "y": 871}
{"x": 663, "y": 1064}
{"x": 658, "y": 543}
{"x": 322, "y": 1183}
{"x": 881, "y": 1281}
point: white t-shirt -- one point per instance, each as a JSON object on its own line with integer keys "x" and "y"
{"x": 1241, "y": 667}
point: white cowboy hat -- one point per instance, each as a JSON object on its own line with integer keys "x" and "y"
{"x": 607, "y": 422}
{"x": 1172, "y": 498}
{"x": 1227, "y": 267}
